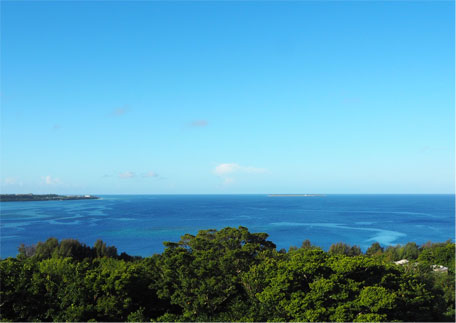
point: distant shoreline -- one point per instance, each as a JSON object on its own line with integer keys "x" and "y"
{"x": 294, "y": 195}
{"x": 43, "y": 197}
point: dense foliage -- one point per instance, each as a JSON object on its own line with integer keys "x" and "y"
{"x": 228, "y": 275}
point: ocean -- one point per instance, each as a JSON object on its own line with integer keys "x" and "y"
{"x": 139, "y": 224}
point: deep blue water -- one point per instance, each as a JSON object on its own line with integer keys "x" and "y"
{"x": 138, "y": 224}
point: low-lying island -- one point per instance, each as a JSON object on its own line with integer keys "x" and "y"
{"x": 43, "y": 197}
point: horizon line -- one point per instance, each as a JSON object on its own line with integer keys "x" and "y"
{"x": 268, "y": 194}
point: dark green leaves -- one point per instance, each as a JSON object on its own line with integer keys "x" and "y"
{"x": 227, "y": 275}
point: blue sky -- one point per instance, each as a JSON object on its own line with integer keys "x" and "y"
{"x": 227, "y": 97}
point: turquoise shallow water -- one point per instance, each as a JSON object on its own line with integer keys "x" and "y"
{"x": 138, "y": 224}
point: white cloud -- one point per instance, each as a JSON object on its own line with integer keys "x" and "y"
{"x": 230, "y": 168}
{"x": 10, "y": 181}
{"x": 120, "y": 111}
{"x": 127, "y": 174}
{"x": 150, "y": 174}
{"x": 199, "y": 123}
{"x": 131, "y": 174}
{"x": 223, "y": 169}
{"x": 49, "y": 180}
{"x": 226, "y": 171}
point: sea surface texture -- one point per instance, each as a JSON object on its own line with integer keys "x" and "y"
{"x": 138, "y": 224}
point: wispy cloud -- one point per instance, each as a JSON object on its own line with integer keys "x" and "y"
{"x": 150, "y": 174}
{"x": 120, "y": 110}
{"x": 228, "y": 171}
{"x": 199, "y": 123}
{"x": 229, "y": 168}
{"x": 10, "y": 181}
{"x": 131, "y": 174}
{"x": 127, "y": 174}
{"x": 224, "y": 169}
{"x": 49, "y": 180}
